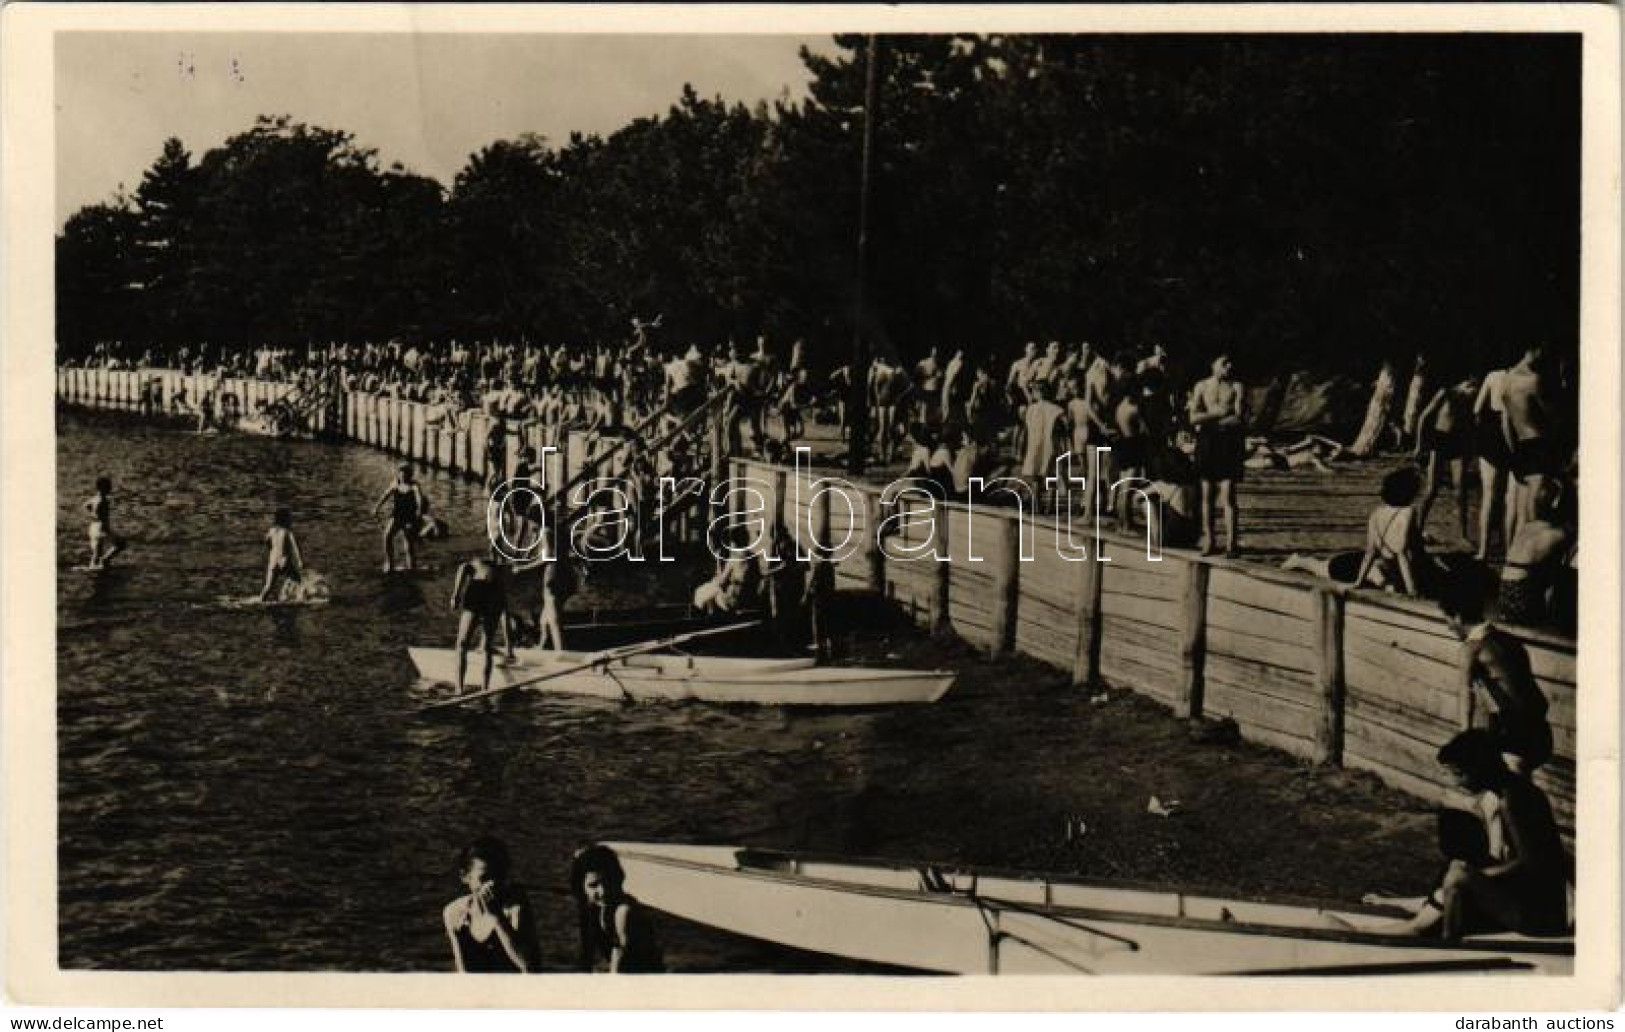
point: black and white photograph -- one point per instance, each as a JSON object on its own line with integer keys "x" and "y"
{"x": 824, "y": 498}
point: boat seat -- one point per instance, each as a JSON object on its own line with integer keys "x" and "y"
{"x": 763, "y": 860}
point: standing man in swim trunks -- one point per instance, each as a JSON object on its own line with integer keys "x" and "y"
{"x": 405, "y": 499}
{"x": 103, "y": 545}
{"x": 478, "y": 595}
{"x": 1493, "y": 459}
{"x": 886, "y": 388}
{"x": 1221, "y": 449}
{"x": 1529, "y": 422}
{"x": 1495, "y": 670}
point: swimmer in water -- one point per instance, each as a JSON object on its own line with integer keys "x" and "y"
{"x": 103, "y": 545}
{"x": 284, "y": 565}
{"x": 407, "y": 507}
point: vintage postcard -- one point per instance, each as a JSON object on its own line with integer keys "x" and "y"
{"x": 1085, "y": 500}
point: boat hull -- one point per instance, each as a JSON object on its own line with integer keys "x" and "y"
{"x": 648, "y": 678}
{"x": 919, "y": 918}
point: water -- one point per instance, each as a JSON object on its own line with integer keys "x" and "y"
{"x": 252, "y": 789}
{"x": 248, "y": 789}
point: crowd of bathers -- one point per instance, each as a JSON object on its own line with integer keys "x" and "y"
{"x": 1061, "y": 411}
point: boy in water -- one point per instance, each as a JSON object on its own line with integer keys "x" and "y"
{"x": 101, "y": 525}
{"x": 283, "y": 563}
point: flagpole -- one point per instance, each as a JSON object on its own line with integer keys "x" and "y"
{"x": 858, "y": 390}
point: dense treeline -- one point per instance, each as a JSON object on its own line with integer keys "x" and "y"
{"x": 1330, "y": 199}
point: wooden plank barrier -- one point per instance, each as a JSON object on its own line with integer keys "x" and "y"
{"x": 1332, "y": 675}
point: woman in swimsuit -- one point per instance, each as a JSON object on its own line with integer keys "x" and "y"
{"x": 1508, "y": 871}
{"x": 405, "y": 499}
{"x": 491, "y": 929}
{"x": 616, "y": 930}
{"x": 1393, "y": 541}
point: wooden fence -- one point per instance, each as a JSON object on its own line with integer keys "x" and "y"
{"x": 1324, "y": 672}
{"x": 426, "y": 434}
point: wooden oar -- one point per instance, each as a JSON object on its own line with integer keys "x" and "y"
{"x": 611, "y": 656}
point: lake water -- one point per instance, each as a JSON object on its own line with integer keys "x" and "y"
{"x": 251, "y": 789}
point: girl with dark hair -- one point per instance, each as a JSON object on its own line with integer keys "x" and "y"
{"x": 1393, "y": 541}
{"x": 491, "y": 929}
{"x": 1506, "y": 866}
{"x": 616, "y": 929}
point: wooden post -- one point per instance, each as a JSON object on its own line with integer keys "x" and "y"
{"x": 1192, "y": 641}
{"x": 872, "y": 549}
{"x": 1086, "y": 661}
{"x": 942, "y": 573}
{"x": 1328, "y": 746}
{"x": 1006, "y": 586}
{"x": 781, "y": 488}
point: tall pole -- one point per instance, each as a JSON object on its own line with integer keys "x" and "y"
{"x": 858, "y": 390}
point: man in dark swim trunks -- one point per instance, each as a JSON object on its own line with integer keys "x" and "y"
{"x": 478, "y": 595}
{"x": 1221, "y": 450}
{"x": 1529, "y": 419}
{"x": 407, "y": 507}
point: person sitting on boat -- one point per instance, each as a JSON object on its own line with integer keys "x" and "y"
{"x": 1495, "y": 669}
{"x": 284, "y": 566}
{"x": 477, "y": 593}
{"x": 491, "y": 929}
{"x": 617, "y": 932}
{"x": 1507, "y": 872}
{"x": 407, "y": 506}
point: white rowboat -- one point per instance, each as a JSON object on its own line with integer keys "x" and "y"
{"x": 968, "y": 922}
{"x": 648, "y": 677}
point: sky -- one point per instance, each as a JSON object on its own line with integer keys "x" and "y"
{"x": 426, "y": 101}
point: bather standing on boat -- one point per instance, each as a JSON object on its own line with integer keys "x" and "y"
{"x": 477, "y": 594}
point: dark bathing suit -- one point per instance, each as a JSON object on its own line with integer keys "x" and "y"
{"x": 1221, "y": 452}
{"x": 405, "y": 509}
{"x": 1535, "y": 456}
{"x": 483, "y": 598}
{"x": 483, "y": 957}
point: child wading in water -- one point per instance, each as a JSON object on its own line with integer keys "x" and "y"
{"x": 284, "y": 567}
{"x": 103, "y": 545}
{"x": 407, "y": 508}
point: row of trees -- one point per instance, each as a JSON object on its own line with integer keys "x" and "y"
{"x": 1333, "y": 199}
